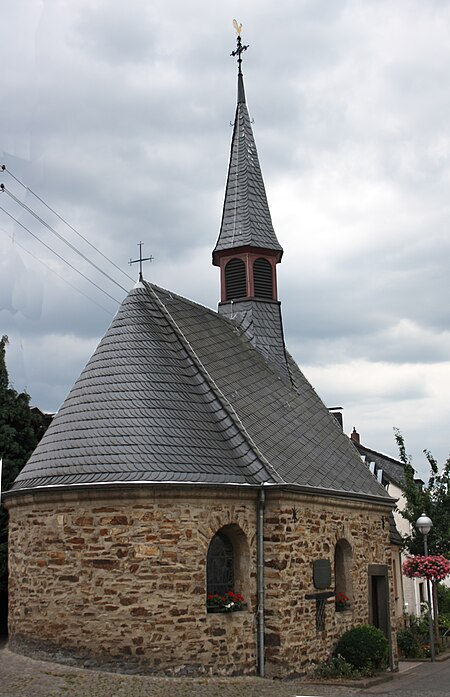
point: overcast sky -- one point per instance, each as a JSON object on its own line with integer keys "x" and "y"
{"x": 118, "y": 116}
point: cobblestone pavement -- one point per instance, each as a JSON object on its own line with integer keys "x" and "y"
{"x": 21, "y": 676}
{"x": 25, "y": 677}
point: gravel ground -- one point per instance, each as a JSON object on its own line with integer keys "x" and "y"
{"x": 21, "y": 676}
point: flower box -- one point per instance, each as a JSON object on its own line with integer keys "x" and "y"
{"x": 214, "y": 610}
{"x": 228, "y": 602}
{"x": 341, "y": 602}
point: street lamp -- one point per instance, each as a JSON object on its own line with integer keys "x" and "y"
{"x": 424, "y": 525}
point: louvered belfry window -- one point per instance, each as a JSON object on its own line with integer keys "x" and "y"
{"x": 262, "y": 279}
{"x": 235, "y": 279}
{"x": 220, "y": 565}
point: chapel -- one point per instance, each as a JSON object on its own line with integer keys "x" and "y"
{"x": 193, "y": 459}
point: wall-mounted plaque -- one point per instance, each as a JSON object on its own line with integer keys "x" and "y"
{"x": 322, "y": 573}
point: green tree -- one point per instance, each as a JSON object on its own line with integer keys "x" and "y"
{"x": 432, "y": 498}
{"x": 20, "y": 432}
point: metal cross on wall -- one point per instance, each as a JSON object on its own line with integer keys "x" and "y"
{"x": 140, "y": 260}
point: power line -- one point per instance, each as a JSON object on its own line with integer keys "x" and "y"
{"x": 16, "y": 243}
{"x": 58, "y": 255}
{"x": 27, "y": 188}
{"x": 61, "y": 237}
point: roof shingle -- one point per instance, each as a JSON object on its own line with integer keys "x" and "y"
{"x": 176, "y": 393}
{"x": 246, "y": 219}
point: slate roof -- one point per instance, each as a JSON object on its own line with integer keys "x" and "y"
{"x": 260, "y": 321}
{"x": 392, "y": 469}
{"x": 176, "y": 393}
{"x": 394, "y": 535}
{"x": 246, "y": 219}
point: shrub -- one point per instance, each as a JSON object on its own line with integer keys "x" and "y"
{"x": 419, "y": 628}
{"x": 335, "y": 667}
{"x": 364, "y": 647}
{"x": 409, "y": 644}
{"x": 443, "y": 593}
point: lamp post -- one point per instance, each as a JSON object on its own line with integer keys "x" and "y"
{"x": 424, "y": 525}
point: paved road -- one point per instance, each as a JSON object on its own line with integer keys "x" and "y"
{"x": 26, "y": 677}
{"x": 425, "y": 680}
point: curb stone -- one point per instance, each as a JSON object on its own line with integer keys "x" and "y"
{"x": 361, "y": 683}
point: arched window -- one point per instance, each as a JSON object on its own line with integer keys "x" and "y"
{"x": 235, "y": 280}
{"x": 343, "y": 563}
{"x": 220, "y": 565}
{"x": 263, "y": 279}
{"x": 228, "y": 564}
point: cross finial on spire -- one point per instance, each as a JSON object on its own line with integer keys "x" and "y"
{"x": 240, "y": 46}
{"x": 140, "y": 260}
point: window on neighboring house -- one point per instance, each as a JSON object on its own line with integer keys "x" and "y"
{"x": 421, "y": 592}
{"x": 262, "y": 279}
{"x": 343, "y": 563}
{"x": 235, "y": 279}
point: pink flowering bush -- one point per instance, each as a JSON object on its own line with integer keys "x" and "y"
{"x": 432, "y": 568}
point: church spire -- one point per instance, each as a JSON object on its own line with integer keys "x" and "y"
{"x": 246, "y": 219}
{"x": 247, "y": 250}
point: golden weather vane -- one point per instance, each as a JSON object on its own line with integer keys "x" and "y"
{"x": 237, "y": 26}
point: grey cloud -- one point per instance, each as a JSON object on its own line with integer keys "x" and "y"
{"x": 119, "y": 118}
{"x": 112, "y": 33}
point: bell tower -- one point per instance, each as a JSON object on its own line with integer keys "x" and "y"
{"x": 247, "y": 250}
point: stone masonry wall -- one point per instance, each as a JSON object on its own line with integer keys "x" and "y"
{"x": 119, "y": 579}
{"x": 121, "y": 582}
{"x": 297, "y": 533}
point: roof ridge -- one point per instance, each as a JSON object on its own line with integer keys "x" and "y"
{"x": 172, "y": 294}
{"x": 226, "y": 404}
{"x": 383, "y": 455}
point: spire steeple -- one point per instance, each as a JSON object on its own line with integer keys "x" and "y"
{"x": 246, "y": 219}
{"x": 247, "y": 250}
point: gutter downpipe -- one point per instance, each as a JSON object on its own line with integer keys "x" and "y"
{"x": 260, "y": 580}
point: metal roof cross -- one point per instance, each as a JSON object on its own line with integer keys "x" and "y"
{"x": 140, "y": 260}
{"x": 240, "y": 46}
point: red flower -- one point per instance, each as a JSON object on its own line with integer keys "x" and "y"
{"x": 229, "y": 602}
{"x": 341, "y": 600}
